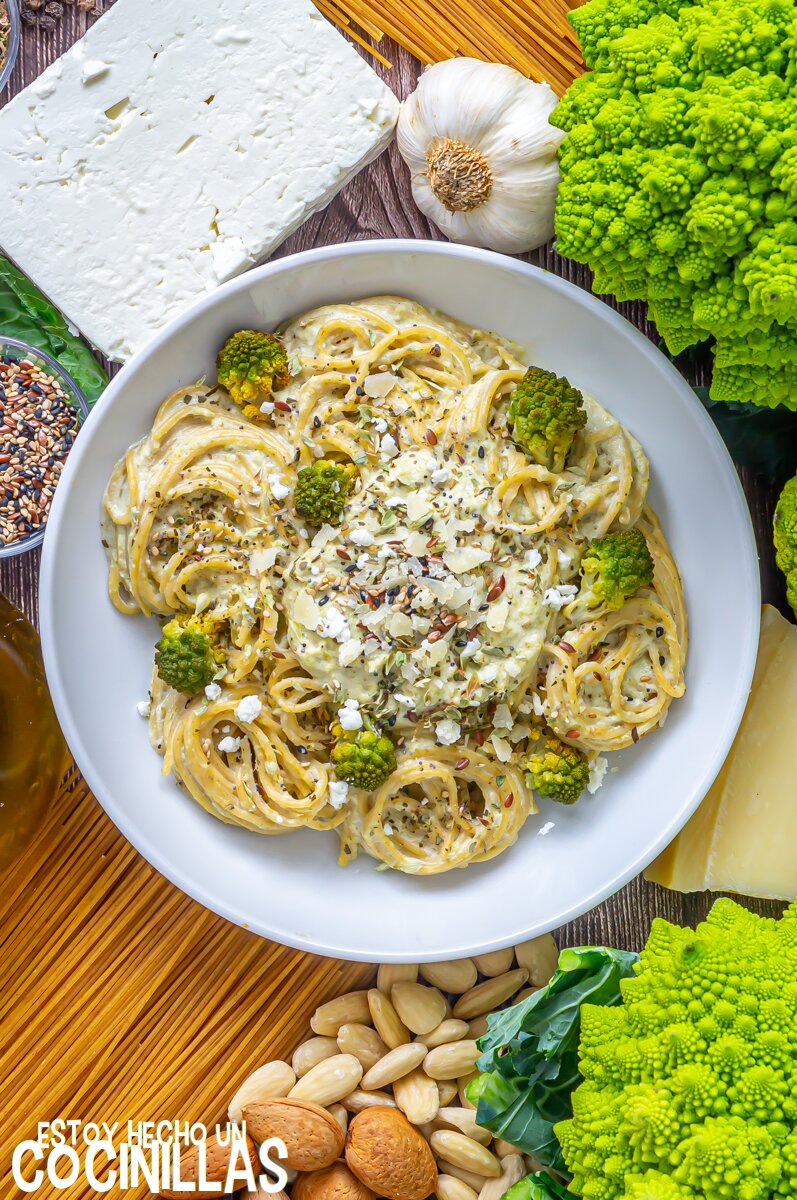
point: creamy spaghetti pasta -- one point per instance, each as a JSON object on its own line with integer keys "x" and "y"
{"x": 445, "y": 609}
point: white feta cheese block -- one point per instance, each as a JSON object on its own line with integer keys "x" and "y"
{"x": 174, "y": 146}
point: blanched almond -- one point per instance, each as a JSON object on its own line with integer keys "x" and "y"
{"x": 462, "y": 1085}
{"x": 417, "y": 1096}
{"x": 329, "y": 1080}
{"x": 395, "y": 1063}
{"x": 451, "y": 1188}
{"x": 463, "y": 1120}
{"x": 312, "y": 1136}
{"x": 449, "y": 1030}
{"x": 311, "y": 1053}
{"x": 446, "y": 1090}
{"x": 457, "y": 976}
{"x": 502, "y": 1148}
{"x": 340, "y": 1114}
{"x": 390, "y": 973}
{"x": 353, "y": 1006}
{"x": 358, "y": 1100}
{"x": 217, "y": 1162}
{"x": 512, "y": 1170}
{"x": 420, "y": 1008}
{"x": 363, "y": 1042}
{"x": 478, "y": 1026}
{"x": 387, "y": 1022}
{"x": 452, "y": 1060}
{"x": 272, "y": 1079}
{"x": 466, "y": 1153}
{"x": 488, "y": 995}
{"x": 476, "y": 1182}
{"x": 333, "y": 1183}
{"x": 390, "y": 1156}
{"x": 540, "y": 957}
{"x": 497, "y": 962}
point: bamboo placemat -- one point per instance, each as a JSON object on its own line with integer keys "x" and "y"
{"x": 122, "y": 999}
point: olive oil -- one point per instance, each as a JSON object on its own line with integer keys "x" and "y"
{"x": 32, "y": 750}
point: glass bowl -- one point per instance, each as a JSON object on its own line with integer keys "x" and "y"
{"x": 23, "y": 352}
{"x": 12, "y": 49}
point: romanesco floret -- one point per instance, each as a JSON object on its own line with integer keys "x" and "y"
{"x": 679, "y": 176}
{"x": 556, "y": 770}
{"x": 544, "y": 415}
{"x": 689, "y": 1086}
{"x": 322, "y": 490}
{"x": 785, "y": 537}
{"x": 249, "y": 365}
{"x": 613, "y": 568}
{"x": 364, "y": 759}
{"x": 187, "y": 656}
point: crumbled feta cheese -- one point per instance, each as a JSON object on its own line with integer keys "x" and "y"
{"x": 547, "y": 827}
{"x": 142, "y": 708}
{"x": 441, "y": 476}
{"x": 379, "y": 424}
{"x": 279, "y": 490}
{"x": 558, "y": 597}
{"x": 563, "y": 559}
{"x": 230, "y": 745}
{"x": 213, "y": 691}
{"x": 363, "y": 561}
{"x": 349, "y": 716}
{"x": 400, "y": 698}
{"x": 537, "y": 704}
{"x": 334, "y": 624}
{"x": 503, "y": 717}
{"x": 533, "y": 558}
{"x": 597, "y": 770}
{"x": 248, "y": 709}
{"x": 388, "y": 446}
{"x": 338, "y": 791}
{"x": 388, "y": 828}
{"x": 361, "y": 537}
{"x": 447, "y": 732}
{"x": 267, "y": 407}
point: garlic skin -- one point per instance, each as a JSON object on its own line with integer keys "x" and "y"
{"x": 482, "y": 154}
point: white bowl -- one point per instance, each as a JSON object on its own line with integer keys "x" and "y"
{"x": 290, "y": 888}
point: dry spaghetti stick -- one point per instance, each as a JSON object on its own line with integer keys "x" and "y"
{"x": 326, "y": 9}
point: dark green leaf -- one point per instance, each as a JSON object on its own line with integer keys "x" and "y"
{"x": 28, "y": 315}
{"x": 529, "y": 1061}
{"x": 763, "y": 439}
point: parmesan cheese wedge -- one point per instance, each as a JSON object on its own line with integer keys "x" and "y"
{"x": 742, "y": 837}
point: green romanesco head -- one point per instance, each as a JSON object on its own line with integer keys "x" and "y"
{"x": 679, "y": 176}
{"x": 322, "y": 490}
{"x": 545, "y": 413}
{"x": 249, "y": 365}
{"x": 364, "y": 759}
{"x": 785, "y": 537}
{"x": 187, "y": 657}
{"x": 690, "y": 1086}
{"x": 556, "y": 770}
{"x": 614, "y": 567}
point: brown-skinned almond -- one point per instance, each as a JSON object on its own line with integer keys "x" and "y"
{"x": 312, "y": 1136}
{"x": 333, "y": 1183}
{"x": 389, "y": 1155}
{"x": 217, "y": 1161}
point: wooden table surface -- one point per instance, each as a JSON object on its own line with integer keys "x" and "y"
{"x": 378, "y": 204}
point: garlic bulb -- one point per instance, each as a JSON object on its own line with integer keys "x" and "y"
{"x": 482, "y": 154}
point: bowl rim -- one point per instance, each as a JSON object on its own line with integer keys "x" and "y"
{"x": 748, "y": 637}
{"x": 14, "y": 41}
{"x": 23, "y": 545}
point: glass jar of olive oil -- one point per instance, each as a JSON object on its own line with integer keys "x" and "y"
{"x": 32, "y": 750}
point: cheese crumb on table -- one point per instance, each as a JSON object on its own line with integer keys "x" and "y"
{"x": 174, "y": 146}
